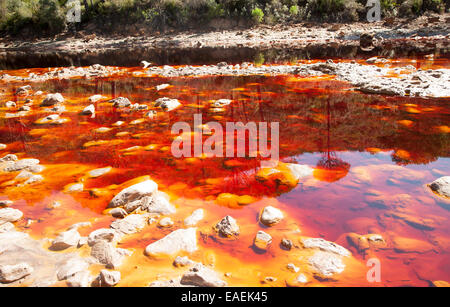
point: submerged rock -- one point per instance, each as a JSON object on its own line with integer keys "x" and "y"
{"x": 202, "y": 276}
{"x": 99, "y": 172}
{"x": 182, "y": 261}
{"x": 262, "y": 240}
{"x": 271, "y": 216}
{"x": 176, "y": 241}
{"x": 227, "y": 227}
{"x": 165, "y": 222}
{"x": 11, "y": 273}
{"x": 194, "y": 218}
{"x": 326, "y": 264}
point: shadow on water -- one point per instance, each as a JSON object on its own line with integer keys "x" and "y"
{"x": 132, "y": 56}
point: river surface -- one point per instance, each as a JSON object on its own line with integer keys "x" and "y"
{"x": 372, "y": 157}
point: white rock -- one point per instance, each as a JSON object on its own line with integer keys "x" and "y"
{"x": 21, "y": 165}
{"x": 302, "y": 279}
{"x": 33, "y": 179}
{"x": 10, "y": 215}
{"x": 167, "y": 104}
{"x": 118, "y": 213}
{"x": 65, "y": 240}
{"x": 9, "y": 157}
{"x": 10, "y": 104}
{"x": 441, "y": 186}
{"x": 194, "y": 218}
{"x": 165, "y": 222}
{"x": 271, "y": 216}
{"x": 202, "y": 276}
{"x": 11, "y": 273}
{"x": 327, "y": 264}
{"x": 120, "y": 102}
{"x": 109, "y": 278}
{"x": 326, "y": 246}
{"x": 130, "y": 224}
{"x": 182, "y": 261}
{"x": 99, "y": 172}
{"x": 134, "y": 192}
{"x": 5, "y": 203}
{"x": 76, "y": 187}
{"x": 292, "y": 267}
{"x": 106, "y": 254}
{"x": 71, "y": 267}
{"x": 159, "y": 205}
{"x": 145, "y": 64}
{"x": 221, "y": 103}
{"x": 262, "y": 240}
{"x": 52, "y": 99}
{"x": 177, "y": 241}
{"x": 81, "y": 279}
{"x": 162, "y": 87}
{"x": 300, "y": 171}
{"x": 227, "y": 227}
{"x": 95, "y": 98}
{"x": 6, "y": 227}
{"x": 103, "y": 234}
{"x": 89, "y": 110}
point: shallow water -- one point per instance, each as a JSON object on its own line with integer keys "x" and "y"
{"x": 373, "y": 156}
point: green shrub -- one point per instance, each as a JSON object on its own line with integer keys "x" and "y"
{"x": 293, "y": 10}
{"x": 257, "y": 15}
{"x": 334, "y": 10}
{"x": 50, "y": 16}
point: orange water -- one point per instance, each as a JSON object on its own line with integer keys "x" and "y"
{"x": 366, "y": 150}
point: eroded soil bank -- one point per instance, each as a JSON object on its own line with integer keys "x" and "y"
{"x": 282, "y": 43}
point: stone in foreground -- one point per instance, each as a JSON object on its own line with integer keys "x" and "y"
{"x": 262, "y": 240}
{"x": 326, "y": 264}
{"x": 11, "y": 273}
{"x": 326, "y": 246}
{"x": 202, "y": 276}
{"x": 271, "y": 216}
{"x": 177, "y": 241}
{"x": 65, "y": 240}
{"x": 227, "y": 227}
{"x": 441, "y": 186}
{"x": 133, "y": 193}
{"x": 109, "y": 278}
